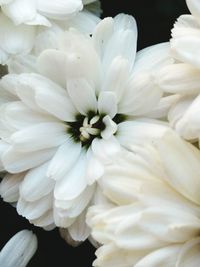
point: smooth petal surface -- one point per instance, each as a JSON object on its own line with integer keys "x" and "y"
{"x": 82, "y": 95}
{"x": 107, "y": 103}
{"x": 15, "y": 40}
{"x": 64, "y": 159}
{"x": 184, "y": 177}
{"x": 36, "y": 184}
{"x": 16, "y": 162}
{"x": 71, "y": 185}
{"x": 179, "y": 79}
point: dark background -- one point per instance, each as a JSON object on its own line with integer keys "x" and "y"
{"x": 155, "y": 18}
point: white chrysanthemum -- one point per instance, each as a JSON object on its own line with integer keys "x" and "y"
{"x": 183, "y": 77}
{"x": 161, "y": 227}
{"x": 60, "y": 129}
{"x": 19, "y": 250}
{"x": 29, "y": 33}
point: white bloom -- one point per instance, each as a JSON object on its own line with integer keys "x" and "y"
{"x": 183, "y": 77}
{"x": 19, "y": 250}
{"x": 161, "y": 227}
{"x": 25, "y": 37}
{"x": 62, "y": 128}
{"x": 38, "y": 12}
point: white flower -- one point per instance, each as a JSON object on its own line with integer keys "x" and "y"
{"x": 62, "y": 128}
{"x": 25, "y": 37}
{"x": 161, "y": 227}
{"x": 19, "y": 250}
{"x": 38, "y": 12}
{"x": 183, "y": 77}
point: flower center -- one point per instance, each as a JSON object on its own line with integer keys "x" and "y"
{"x": 86, "y": 128}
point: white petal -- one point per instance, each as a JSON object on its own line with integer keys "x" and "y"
{"x": 110, "y": 128}
{"x": 189, "y": 255}
{"x": 105, "y": 149}
{"x": 52, "y": 64}
{"x": 34, "y": 210}
{"x": 139, "y": 132}
{"x": 22, "y": 64}
{"x": 123, "y": 40}
{"x": 107, "y": 103}
{"x": 18, "y": 115}
{"x": 71, "y": 185}
{"x": 34, "y": 138}
{"x": 163, "y": 107}
{"x": 59, "y": 9}
{"x": 79, "y": 230}
{"x": 64, "y": 159}
{"x": 116, "y": 77}
{"x": 135, "y": 101}
{"x": 75, "y": 207}
{"x": 20, "y": 11}
{"x": 194, "y": 8}
{"x": 9, "y": 187}
{"x": 36, "y": 184}
{"x": 82, "y": 95}
{"x": 84, "y": 21}
{"x": 15, "y": 161}
{"x": 153, "y": 58}
{"x": 45, "y": 220}
{"x": 179, "y": 79}
{"x": 164, "y": 257}
{"x": 184, "y": 177}
{"x": 80, "y": 53}
{"x": 23, "y": 246}
{"x": 95, "y": 169}
{"x": 186, "y": 49}
{"x": 15, "y": 40}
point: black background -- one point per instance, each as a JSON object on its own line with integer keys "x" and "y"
{"x": 155, "y": 18}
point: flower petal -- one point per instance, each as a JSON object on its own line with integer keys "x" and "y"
{"x": 107, "y": 103}
{"x": 23, "y": 246}
{"x": 184, "y": 177}
{"x": 73, "y": 184}
{"x": 64, "y": 159}
{"x": 36, "y": 184}
{"x": 82, "y": 95}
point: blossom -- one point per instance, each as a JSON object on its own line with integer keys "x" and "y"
{"x": 39, "y": 12}
{"x": 155, "y": 217}
{"x": 23, "y": 27}
{"x": 182, "y": 78}
{"x": 60, "y": 126}
{"x": 19, "y": 249}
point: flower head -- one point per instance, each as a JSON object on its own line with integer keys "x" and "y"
{"x": 64, "y": 123}
{"x": 157, "y": 221}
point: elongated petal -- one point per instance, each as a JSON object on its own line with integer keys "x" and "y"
{"x": 184, "y": 177}
{"x": 179, "y": 79}
{"x": 23, "y": 245}
{"x": 64, "y": 159}
{"x": 82, "y": 95}
{"x": 107, "y": 103}
{"x": 164, "y": 257}
{"x": 71, "y": 185}
{"x": 9, "y": 187}
{"x": 36, "y": 184}
{"x": 15, "y": 161}
{"x": 34, "y": 138}
{"x": 153, "y": 58}
{"x": 59, "y": 9}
